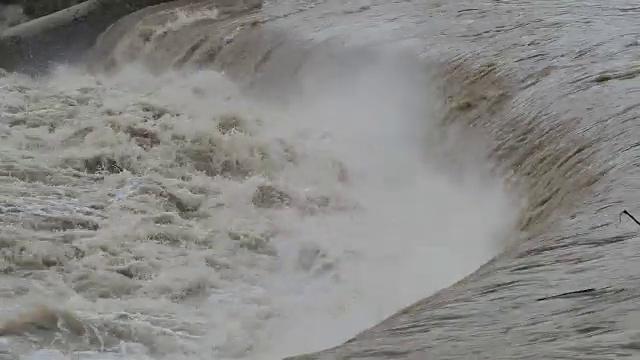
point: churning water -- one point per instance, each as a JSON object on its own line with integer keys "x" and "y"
{"x": 229, "y": 183}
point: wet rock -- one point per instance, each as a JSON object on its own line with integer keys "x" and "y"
{"x": 33, "y": 46}
{"x": 37, "y": 8}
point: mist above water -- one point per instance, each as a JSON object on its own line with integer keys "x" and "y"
{"x": 360, "y": 220}
{"x": 416, "y": 228}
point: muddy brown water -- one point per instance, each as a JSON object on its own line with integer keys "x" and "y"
{"x": 544, "y": 93}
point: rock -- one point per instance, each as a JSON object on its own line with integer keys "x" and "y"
{"x": 35, "y": 8}
{"x": 34, "y": 45}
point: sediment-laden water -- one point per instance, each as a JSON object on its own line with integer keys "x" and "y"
{"x": 234, "y": 182}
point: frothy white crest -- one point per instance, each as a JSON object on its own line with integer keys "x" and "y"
{"x": 373, "y": 223}
{"x": 416, "y": 229}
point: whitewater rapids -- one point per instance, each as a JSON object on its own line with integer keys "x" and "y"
{"x": 220, "y": 183}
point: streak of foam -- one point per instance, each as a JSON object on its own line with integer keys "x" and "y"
{"x": 209, "y": 225}
{"x": 181, "y": 18}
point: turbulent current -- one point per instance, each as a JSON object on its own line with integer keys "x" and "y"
{"x": 386, "y": 180}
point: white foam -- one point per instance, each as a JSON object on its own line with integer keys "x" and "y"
{"x": 398, "y": 229}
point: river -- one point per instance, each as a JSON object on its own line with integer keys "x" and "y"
{"x": 384, "y": 180}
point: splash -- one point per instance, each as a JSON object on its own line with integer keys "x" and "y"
{"x": 175, "y": 216}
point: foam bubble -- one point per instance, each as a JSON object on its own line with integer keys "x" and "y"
{"x": 223, "y": 227}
